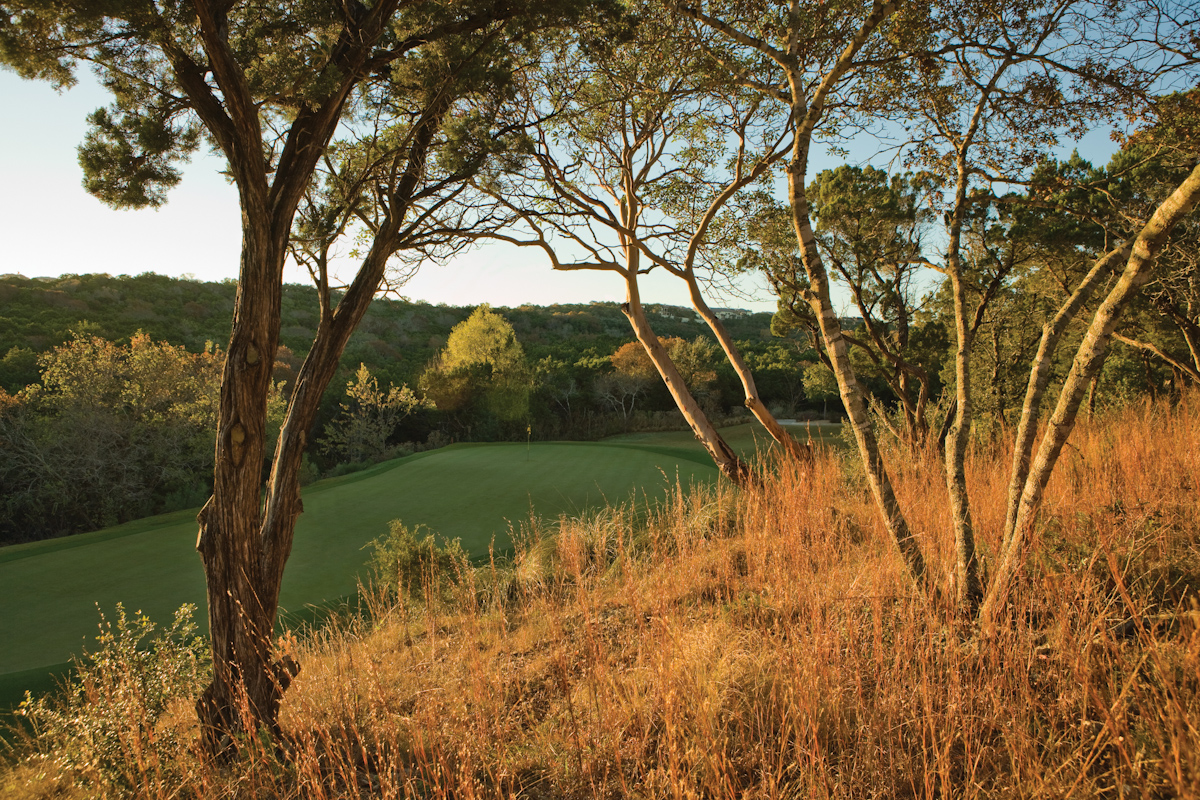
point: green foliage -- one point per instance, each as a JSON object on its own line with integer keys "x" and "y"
{"x": 127, "y": 158}
{"x": 484, "y": 338}
{"x": 369, "y": 417}
{"x": 819, "y": 383}
{"x": 396, "y": 341}
{"x": 697, "y": 361}
{"x": 18, "y": 369}
{"x": 481, "y": 369}
{"x": 111, "y": 433}
{"x": 412, "y": 562}
{"x": 106, "y": 726}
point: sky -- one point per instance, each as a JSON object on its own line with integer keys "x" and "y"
{"x": 50, "y": 226}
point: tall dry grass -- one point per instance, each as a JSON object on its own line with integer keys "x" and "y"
{"x": 767, "y": 643}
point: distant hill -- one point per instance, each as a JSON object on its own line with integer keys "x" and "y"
{"x": 396, "y": 339}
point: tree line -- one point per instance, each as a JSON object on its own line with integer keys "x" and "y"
{"x": 82, "y": 451}
{"x": 665, "y": 136}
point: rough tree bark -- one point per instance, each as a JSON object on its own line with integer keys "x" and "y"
{"x": 243, "y": 549}
{"x": 244, "y": 541}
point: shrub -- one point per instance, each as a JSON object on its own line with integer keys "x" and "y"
{"x": 411, "y": 562}
{"x": 111, "y": 726}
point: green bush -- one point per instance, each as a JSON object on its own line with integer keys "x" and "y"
{"x": 410, "y": 561}
{"x": 108, "y": 727}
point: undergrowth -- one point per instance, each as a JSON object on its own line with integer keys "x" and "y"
{"x": 756, "y": 643}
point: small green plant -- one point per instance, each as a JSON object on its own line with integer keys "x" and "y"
{"x": 106, "y": 727}
{"x": 412, "y": 562}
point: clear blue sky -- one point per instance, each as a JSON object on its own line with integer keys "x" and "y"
{"x": 50, "y": 226}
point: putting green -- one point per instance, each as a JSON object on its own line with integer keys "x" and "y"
{"x": 49, "y": 591}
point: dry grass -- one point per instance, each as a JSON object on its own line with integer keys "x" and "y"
{"x": 767, "y": 644}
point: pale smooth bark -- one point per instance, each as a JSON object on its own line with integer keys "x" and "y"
{"x": 808, "y": 111}
{"x": 1088, "y": 359}
{"x": 967, "y": 588}
{"x": 1039, "y": 378}
{"x": 853, "y": 396}
{"x": 752, "y": 400}
{"x": 727, "y": 461}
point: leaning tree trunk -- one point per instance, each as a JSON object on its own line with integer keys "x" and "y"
{"x": 734, "y": 355}
{"x": 727, "y": 461}
{"x": 1039, "y": 379}
{"x": 1088, "y": 359}
{"x": 853, "y": 396}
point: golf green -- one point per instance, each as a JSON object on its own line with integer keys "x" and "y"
{"x": 50, "y": 591}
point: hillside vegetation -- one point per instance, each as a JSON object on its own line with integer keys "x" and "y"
{"x": 762, "y": 642}
{"x": 109, "y": 388}
{"x": 395, "y": 340}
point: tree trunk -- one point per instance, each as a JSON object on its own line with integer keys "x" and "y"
{"x": 853, "y": 397}
{"x": 1039, "y": 378}
{"x": 752, "y": 400}
{"x": 244, "y": 561}
{"x": 1088, "y": 359}
{"x": 239, "y": 571}
{"x": 967, "y": 588}
{"x": 722, "y": 454}
{"x": 244, "y": 542}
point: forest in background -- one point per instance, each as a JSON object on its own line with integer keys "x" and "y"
{"x": 110, "y": 387}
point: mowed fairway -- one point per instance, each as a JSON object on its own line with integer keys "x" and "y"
{"x": 49, "y": 591}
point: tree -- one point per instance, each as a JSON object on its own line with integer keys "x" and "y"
{"x": 1009, "y": 82}
{"x": 484, "y": 338}
{"x": 368, "y": 417}
{"x": 269, "y": 87}
{"x": 111, "y": 433}
{"x": 1165, "y": 321}
{"x": 804, "y": 61}
{"x": 1008, "y": 79}
{"x": 634, "y": 163}
{"x": 18, "y": 369}
{"x": 819, "y": 383}
{"x": 483, "y": 361}
{"x": 870, "y": 229}
{"x": 632, "y": 374}
{"x": 1135, "y": 258}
